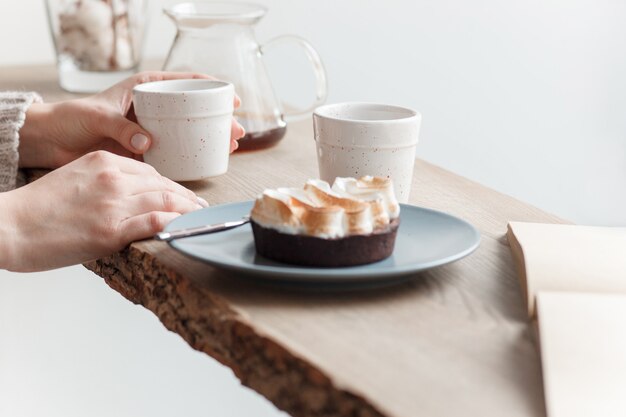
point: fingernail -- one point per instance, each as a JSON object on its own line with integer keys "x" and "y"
{"x": 202, "y": 202}
{"x": 243, "y": 131}
{"x": 139, "y": 141}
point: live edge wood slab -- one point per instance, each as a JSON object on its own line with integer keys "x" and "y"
{"x": 454, "y": 341}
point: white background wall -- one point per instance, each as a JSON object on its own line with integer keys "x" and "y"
{"x": 525, "y": 97}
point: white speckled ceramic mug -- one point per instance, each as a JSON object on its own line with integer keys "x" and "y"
{"x": 189, "y": 122}
{"x": 357, "y": 139}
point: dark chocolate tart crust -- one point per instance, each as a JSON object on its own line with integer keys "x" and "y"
{"x": 315, "y": 251}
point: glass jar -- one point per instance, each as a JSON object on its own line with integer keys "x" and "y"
{"x": 218, "y": 38}
{"x": 97, "y": 42}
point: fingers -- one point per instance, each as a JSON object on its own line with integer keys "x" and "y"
{"x": 236, "y": 132}
{"x": 127, "y": 133}
{"x": 146, "y": 225}
{"x": 165, "y": 201}
{"x": 133, "y": 177}
{"x": 159, "y": 183}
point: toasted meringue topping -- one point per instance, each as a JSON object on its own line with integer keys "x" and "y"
{"x": 350, "y": 207}
{"x": 370, "y": 188}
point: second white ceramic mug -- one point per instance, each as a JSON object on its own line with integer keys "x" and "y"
{"x": 357, "y": 139}
{"x": 189, "y": 122}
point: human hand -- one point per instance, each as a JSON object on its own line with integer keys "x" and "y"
{"x": 87, "y": 209}
{"x": 55, "y": 134}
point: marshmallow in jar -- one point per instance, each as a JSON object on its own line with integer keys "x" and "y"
{"x": 99, "y": 35}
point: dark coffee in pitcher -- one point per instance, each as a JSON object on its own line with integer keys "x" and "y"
{"x": 253, "y": 141}
{"x": 262, "y": 132}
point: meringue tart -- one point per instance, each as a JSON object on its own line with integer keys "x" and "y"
{"x": 354, "y": 222}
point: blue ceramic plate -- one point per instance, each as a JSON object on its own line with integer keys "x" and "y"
{"x": 426, "y": 239}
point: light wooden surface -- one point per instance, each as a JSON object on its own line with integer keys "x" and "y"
{"x": 453, "y": 342}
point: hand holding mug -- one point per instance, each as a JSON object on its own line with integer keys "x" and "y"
{"x": 55, "y": 134}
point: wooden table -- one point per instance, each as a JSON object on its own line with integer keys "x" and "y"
{"x": 453, "y": 342}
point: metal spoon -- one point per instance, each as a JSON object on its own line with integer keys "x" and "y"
{"x": 201, "y": 230}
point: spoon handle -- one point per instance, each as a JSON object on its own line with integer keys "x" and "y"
{"x": 200, "y": 230}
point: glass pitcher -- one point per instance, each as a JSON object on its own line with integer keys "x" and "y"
{"x": 217, "y": 38}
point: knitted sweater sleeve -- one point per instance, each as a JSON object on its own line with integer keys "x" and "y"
{"x": 13, "y": 107}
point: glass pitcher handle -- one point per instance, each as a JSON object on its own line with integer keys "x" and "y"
{"x": 321, "y": 84}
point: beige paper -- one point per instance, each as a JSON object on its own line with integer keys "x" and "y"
{"x": 583, "y": 353}
{"x": 556, "y": 257}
